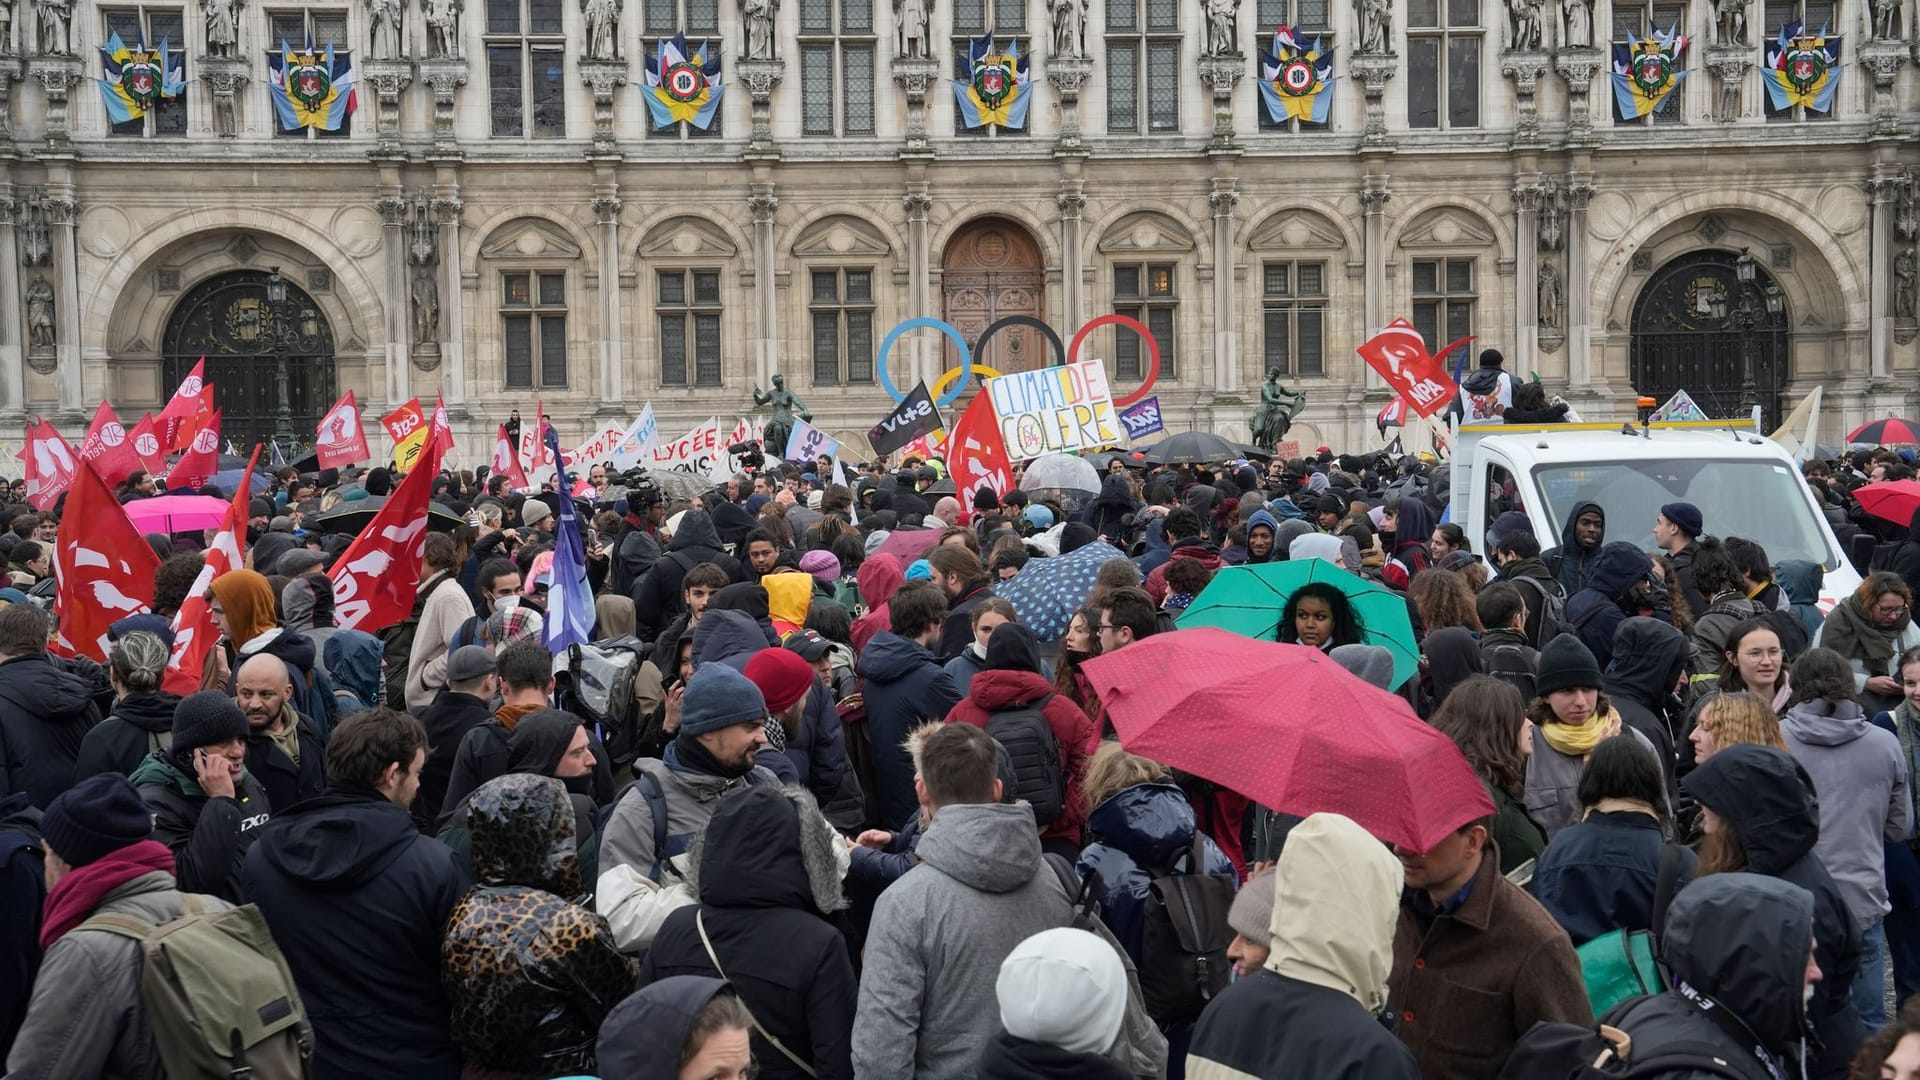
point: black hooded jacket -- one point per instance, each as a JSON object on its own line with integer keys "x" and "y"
{"x": 45, "y": 714}
{"x": 1595, "y": 612}
{"x": 658, "y": 596}
{"x": 1572, "y": 563}
{"x": 23, "y": 893}
{"x": 1108, "y": 513}
{"x": 1649, "y": 657}
{"x": 641, "y": 1038}
{"x": 358, "y": 901}
{"x": 765, "y": 873}
{"x": 447, "y": 721}
{"x": 139, "y": 724}
{"x": 1010, "y": 1058}
{"x": 1767, "y": 799}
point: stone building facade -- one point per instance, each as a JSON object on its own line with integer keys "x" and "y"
{"x": 500, "y": 220}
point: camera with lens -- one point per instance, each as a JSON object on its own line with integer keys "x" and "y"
{"x": 641, "y": 490}
{"x": 749, "y": 454}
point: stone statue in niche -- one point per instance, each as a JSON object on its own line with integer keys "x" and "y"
{"x": 759, "y": 15}
{"x": 1884, "y": 19}
{"x": 1523, "y": 25}
{"x": 388, "y": 33}
{"x": 1729, "y": 22}
{"x": 1069, "y": 27}
{"x": 41, "y": 331}
{"x": 424, "y": 292}
{"x": 1551, "y": 297}
{"x": 910, "y": 29}
{"x": 1223, "y": 18}
{"x": 603, "y": 29}
{"x": 443, "y": 29}
{"x": 1578, "y": 17}
{"x": 6, "y": 26}
{"x": 1904, "y": 272}
{"x": 1376, "y": 25}
{"x": 55, "y": 19}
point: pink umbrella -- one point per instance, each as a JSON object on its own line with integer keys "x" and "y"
{"x": 909, "y": 544}
{"x": 176, "y": 513}
{"x": 1287, "y": 727}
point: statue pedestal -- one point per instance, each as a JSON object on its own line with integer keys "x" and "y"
{"x": 12, "y": 69}
{"x": 1883, "y": 60}
{"x": 389, "y": 79}
{"x": 444, "y": 76}
{"x": 603, "y": 77}
{"x": 916, "y": 75}
{"x": 1374, "y": 70}
{"x": 760, "y": 77}
{"x": 56, "y": 76}
{"x": 1577, "y": 67}
{"x": 1729, "y": 64}
{"x": 1068, "y": 75}
{"x": 426, "y": 355}
{"x": 225, "y": 77}
{"x": 1219, "y": 74}
{"x": 1524, "y": 67}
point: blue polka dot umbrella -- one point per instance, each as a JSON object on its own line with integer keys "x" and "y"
{"x": 1046, "y": 592}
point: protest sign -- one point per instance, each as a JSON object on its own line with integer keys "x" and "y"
{"x": 808, "y": 443}
{"x": 1680, "y": 406}
{"x": 1055, "y": 410}
{"x": 597, "y": 449}
{"x": 693, "y": 452}
{"x": 913, "y": 417}
{"x": 1143, "y": 418}
{"x": 638, "y": 440}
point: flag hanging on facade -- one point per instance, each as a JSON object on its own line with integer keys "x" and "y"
{"x": 997, "y": 88}
{"x": 1296, "y": 78}
{"x": 193, "y": 626}
{"x": 135, "y": 79}
{"x": 104, "y": 566}
{"x": 1802, "y": 69}
{"x": 569, "y": 601}
{"x": 1646, "y": 71}
{"x": 311, "y": 88}
{"x": 683, "y": 84}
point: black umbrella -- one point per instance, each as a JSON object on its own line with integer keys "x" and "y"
{"x": 1193, "y": 448}
{"x": 354, "y": 515}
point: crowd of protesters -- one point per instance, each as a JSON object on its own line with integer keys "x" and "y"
{"x": 851, "y": 817}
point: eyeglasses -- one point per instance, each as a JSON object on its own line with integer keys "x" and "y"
{"x": 1106, "y": 628}
{"x": 1882, "y": 609}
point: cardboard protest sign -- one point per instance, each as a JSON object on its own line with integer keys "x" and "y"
{"x": 1055, "y": 410}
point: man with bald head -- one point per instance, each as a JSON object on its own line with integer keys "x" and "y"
{"x": 285, "y": 750}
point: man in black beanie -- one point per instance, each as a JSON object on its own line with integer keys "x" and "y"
{"x": 86, "y": 1017}
{"x": 206, "y": 807}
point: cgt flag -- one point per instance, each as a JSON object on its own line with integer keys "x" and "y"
{"x": 104, "y": 566}
{"x": 1400, "y": 355}
{"x": 913, "y": 417}
{"x": 341, "y": 439}
{"x": 193, "y": 626}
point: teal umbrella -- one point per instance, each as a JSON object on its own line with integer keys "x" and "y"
{"x": 1249, "y": 600}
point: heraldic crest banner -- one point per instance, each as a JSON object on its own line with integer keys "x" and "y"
{"x": 683, "y": 84}
{"x": 311, "y": 88}
{"x": 135, "y": 79}
{"x": 1296, "y": 78}
{"x": 1646, "y": 70}
{"x": 997, "y": 87}
{"x": 1802, "y": 69}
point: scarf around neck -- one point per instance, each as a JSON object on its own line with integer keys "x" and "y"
{"x": 1851, "y": 633}
{"x": 1578, "y": 740}
{"x": 73, "y": 900}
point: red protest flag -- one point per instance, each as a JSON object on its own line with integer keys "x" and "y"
{"x": 50, "y": 464}
{"x": 193, "y": 628}
{"x": 442, "y": 432}
{"x": 107, "y": 447}
{"x": 977, "y": 453}
{"x": 506, "y": 462}
{"x": 533, "y": 446}
{"x": 1400, "y": 355}
{"x": 342, "y": 440}
{"x": 178, "y": 420}
{"x": 104, "y": 566}
{"x": 146, "y": 445}
{"x": 376, "y": 578}
{"x": 202, "y": 458}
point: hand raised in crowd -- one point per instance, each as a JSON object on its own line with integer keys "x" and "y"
{"x": 670, "y": 723}
{"x": 214, "y": 774}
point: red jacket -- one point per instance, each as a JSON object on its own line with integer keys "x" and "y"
{"x": 998, "y": 690}
{"x": 1156, "y": 583}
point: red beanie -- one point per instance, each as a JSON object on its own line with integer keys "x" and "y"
{"x": 782, "y": 676}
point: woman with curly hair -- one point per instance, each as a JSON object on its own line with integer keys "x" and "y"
{"x": 1320, "y": 616}
{"x": 1893, "y": 1052}
{"x": 1443, "y": 599}
{"x": 1486, "y": 718}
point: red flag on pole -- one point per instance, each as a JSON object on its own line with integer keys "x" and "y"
{"x": 442, "y": 435}
{"x": 146, "y": 445}
{"x": 375, "y": 579}
{"x": 977, "y": 453}
{"x": 506, "y": 462}
{"x": 202, "y": 458}
{"x": 1400, "y": 355}
{"x": 342, "y": 440}
{"x": 107, "y": 447}
{"x": 177, "y": 421}
{"x": 50, "y": 464}
{"x": 193, "y": 628}
{"x": 104, "y": 566}
{"x": 532, "y": 447}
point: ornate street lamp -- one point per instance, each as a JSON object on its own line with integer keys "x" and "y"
{"x": 287, "y": 332}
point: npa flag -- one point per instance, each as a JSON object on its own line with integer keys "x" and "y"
{"x": 569, "y": 601}
{"x": 193, "y": 628}
{"x": 913, "y": 417}
{"x": 180, "y": 419}
{"x": 977, "y": 453}
{"x": 1400, "y": 355}
{"x": 107, "y": 447}
{"x": 341, "y": 439}
{"x": 202, "y": 458}
{"x": 407, "y": 427}
{"x": 376, "y": 578}
{"x": 507, "y": 463}
{"x": 146, "y": 443}
{"x": 50, "y": 464}
{"x": 104, "y": 566}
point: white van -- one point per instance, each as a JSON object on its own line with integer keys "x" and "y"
{"x": 1744, "y": 483}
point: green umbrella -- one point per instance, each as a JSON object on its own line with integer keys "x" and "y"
{"x": 1249, "y": 600}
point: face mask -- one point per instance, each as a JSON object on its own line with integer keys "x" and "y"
{"x": 978, "y": 650}
{"x": 1076, "y": 657}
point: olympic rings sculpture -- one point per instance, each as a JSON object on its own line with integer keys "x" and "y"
{"x": 958, "y": 376}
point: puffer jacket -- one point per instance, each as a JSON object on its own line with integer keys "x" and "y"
{"x": 139, "y": 725}
{"x": 767, "y": 872}
{"x": 45, "y": 714}
{"x": 1595, "y": 612}
{"x": 1135, "y": 836}
{"x": 529, "y": 975}
{"x": 209, "y": 837}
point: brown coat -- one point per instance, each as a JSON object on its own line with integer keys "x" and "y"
{"x": 1461, "y": 994}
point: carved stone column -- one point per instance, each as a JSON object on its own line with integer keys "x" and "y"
{"x": 393, "y": 219}
{"x": 1886, "y": 185}
{"x": 602, "y": 78}
{"x": 1883, "y": 60}
{"x": 760, "y": 77}
{"x": 1219, "y": 74}
{"x": 1068, "y": 76}
{"x": 916, "y": 75}
{"x": 764, "y": 204}
{"x": 1524, "y": 67}
{"x": 1577, "y": 68}
{"x": 444, "y": 77}
{"x": 445, "y": 208}
{"x": 61, "y": 212}
{"x": 1579, "y": 190}
{"x": 11, "y": 71}
{"x": 1072, "y": 201}
{"x": 1375, "y": 70}
{"x": 1374, "y": 194}
{"x": 1226, "y": 327}
{"x": 918, "y": 204}
{"x": 13, "y": 370}
{"x": 388, "y": 80}
{"x": 1527, "y": 196}
{"x": 1729, "y": 64}
{"x": 606, "y": 215}
{"x": 57, "y": 76}
{"x": 224, "y": 77}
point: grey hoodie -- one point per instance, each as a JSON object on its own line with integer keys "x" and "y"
{"x": 927, "y": 999}
{"x": 1860, "y": 779}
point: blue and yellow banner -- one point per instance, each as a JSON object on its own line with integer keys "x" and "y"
{"x": 135, "y": 78}
{"x": 998, "y": 87}
{"x": 1645, "y": 72}
{"x": 683, "y": 84}
{"x": 1802, "y": 69}
{"x": 1296, "y": 78}
{"x": 311, "y": 88}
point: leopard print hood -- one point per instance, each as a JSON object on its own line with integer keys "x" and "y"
{"x": 769, "y": 846}
{"x": 522, "y": 831}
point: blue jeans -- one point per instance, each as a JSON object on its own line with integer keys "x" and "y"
{"x": 1870, "y": 984}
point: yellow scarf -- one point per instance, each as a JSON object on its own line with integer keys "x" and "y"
{"x": 1579, "y": 740}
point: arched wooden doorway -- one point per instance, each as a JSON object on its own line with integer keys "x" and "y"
{"x": 992, "y": 269}
{"x": 1697, "y": 328}
{"x": 224, "y": 319}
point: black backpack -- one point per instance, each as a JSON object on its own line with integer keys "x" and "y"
{"x": 1024, "y": 733}
{"x": 1556, "y": 1051}
{"x": 1511, "y": 665}
{"x": 396, "y": 647}
{"x": 1184, "y": 938}
{"x": 1551, "y": 603}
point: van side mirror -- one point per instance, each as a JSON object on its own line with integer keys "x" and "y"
{"x": 1860, "y": 547}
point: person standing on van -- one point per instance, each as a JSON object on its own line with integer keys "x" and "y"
{"x": 1487, "y": 394}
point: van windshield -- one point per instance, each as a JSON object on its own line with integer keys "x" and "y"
{"x": 1762, "y": 501}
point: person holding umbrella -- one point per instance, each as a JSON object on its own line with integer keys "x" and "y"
{"x": 1319, "y": 616}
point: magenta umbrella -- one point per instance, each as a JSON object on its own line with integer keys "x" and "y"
{"x": 908, "y": 544}
{"x": 177, "y": 513}
{"x": 1287, "y": 727}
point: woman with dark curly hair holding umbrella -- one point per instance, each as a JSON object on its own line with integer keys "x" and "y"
{"x": 1320, "y": 616}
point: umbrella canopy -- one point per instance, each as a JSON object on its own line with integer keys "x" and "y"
{"x": 1886, "y": 431}
{"x": 1252, "y": 451}
{"x": 675, "y": 484}
{"x": 177, "y": 513}
{"x": 1063, "y": 472}
{"x": 1891, "y": 500}
{"x": 1193, "y": 448}
{"x": 908, "y": 544}
{"x": 1101, "y": 460}
{"x": 1046, "y": 592}
{"x": 942, "y": 487}
{"x": 228, "y": 480}
{"x": 351, "y": 517}
{"x": 1249, "y": 600}
{"x": 1208, "y": 702}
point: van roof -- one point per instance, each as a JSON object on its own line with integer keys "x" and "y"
{"x": 1606, "y": 442}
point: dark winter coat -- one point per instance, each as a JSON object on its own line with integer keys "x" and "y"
{"x": 1245, "y": 1033}
{"x": 448, "y": 720}
{"x": 209, "y": 837}
{"x": 1570, "y": 563}
{"x": 1767, "y": 799}
{"x": 906, "y": 687}
{"x": 1537, "y": 574}
{"x": 1598, "y": 874}
{"x": 659, "y": 596}
{"x": 1649, "y": 657}
{"x": 312, "y": 689}
{"x": 1133, "y": 837}
{"x": 997, "y": 690}
{"x": 1008, "y": 1058}
{"x": 765, "y": 874}
{"x": 638, "y": 550}
{"x": 45, "y": 714}
{"x": 1712, "y": 627}
{"x": 1682, "y": 561}
{"x": 358, "y": 901}
{"x": 284, "y": 780}
{"x": 138, "y": 725}
{"x": 1906, "y": 558}
{"x": 23, "y": 894}
{"x": 1595, "y": 611}
{"x": 642, "y": 1037}
{"x": 484, "y": 754}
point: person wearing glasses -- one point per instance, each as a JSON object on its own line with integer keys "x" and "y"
{"x": 1871, "y": 629}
